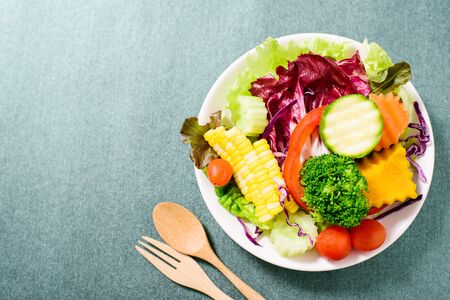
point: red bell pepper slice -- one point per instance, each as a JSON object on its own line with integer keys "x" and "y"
{"x": 292, "y": 165}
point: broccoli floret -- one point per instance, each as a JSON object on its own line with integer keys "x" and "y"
{"x": 334, "y": 189}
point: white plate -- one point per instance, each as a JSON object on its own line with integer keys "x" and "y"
{"x": 396, "y": 223}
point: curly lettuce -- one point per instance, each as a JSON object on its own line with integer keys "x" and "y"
{"x": 336, "y": 51}
{"x": 376, "y": 61}
{"x": 231, "y": 198}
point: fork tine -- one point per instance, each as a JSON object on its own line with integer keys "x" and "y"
{"x": 164, "y": 247}
{"x": 158, "y": 263}
{"x": 161, "y": 254}
{"x": 189, "y": 273}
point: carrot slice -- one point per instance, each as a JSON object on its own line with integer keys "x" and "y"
{"x": 395, "y": 119}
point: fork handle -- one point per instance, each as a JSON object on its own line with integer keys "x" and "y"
{"x": 244, "y": 288}
{"x": 214, "y": 292}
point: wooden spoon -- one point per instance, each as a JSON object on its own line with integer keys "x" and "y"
{"x": 181, "y": 229}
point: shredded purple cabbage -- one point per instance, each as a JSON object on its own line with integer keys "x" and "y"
{"x": 414, "y": 164}
{"x": 252, "y": 239}
{"x": 422, "y": 136}
{"x": 399, "y": 207}
{"x": 258, "y": 231}
{"x": 271, "y": 124}
{"x": 419, "y": 144}
{"x": 284, "y": 195}
{"x": 269, "y": 129}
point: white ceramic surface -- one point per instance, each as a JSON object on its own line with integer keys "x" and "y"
{"x": 396, "y": 223}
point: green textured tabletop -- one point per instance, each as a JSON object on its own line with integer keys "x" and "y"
{"x": 92, "y": 96}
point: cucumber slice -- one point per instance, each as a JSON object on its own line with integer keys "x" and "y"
{"x": 351, "y": 126}
{"x": 249, "y": 114}
{"x": 285, "y": 238}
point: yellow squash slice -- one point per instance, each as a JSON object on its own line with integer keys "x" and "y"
{"x": 388, "y": 176}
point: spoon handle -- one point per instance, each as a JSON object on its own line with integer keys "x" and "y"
{"x": 244, "y": 288}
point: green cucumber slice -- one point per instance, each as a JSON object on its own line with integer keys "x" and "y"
{"x": 249, "y": 114}
{"x": 351, "y": 126}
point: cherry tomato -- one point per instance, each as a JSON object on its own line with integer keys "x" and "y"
{"x": 369, "y": 235}
{"x": 334, "y": 242}
{"x": 374, "y": 210}
{"x": 219, "y": 172}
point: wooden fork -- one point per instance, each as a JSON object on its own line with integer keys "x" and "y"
{"x": 179, "y": 267}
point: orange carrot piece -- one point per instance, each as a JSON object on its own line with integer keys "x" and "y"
{"x": 395, "y": 119}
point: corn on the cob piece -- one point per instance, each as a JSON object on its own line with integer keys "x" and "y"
{"x": 271, "y": 165}
{"x": 254, "y": 169}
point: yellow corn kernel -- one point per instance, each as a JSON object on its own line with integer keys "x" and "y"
{"x": 265, "y": 217}
{"x": 262, "y": 143}
{"x": 276, "y": 211}
{"x": 290, "y": 205}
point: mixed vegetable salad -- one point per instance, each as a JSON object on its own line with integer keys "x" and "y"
{"x": 316, "y": 142}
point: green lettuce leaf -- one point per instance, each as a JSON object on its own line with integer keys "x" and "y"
{"x": 337, "y": 51}
{"x": 231, "y": 198}
{"x": 269, "y": 55}
{"x": 293, "y": 50}
{"x": 376, "y": 61}
{"x": 192, "y": 132}
{"x": 397, "y": 75}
